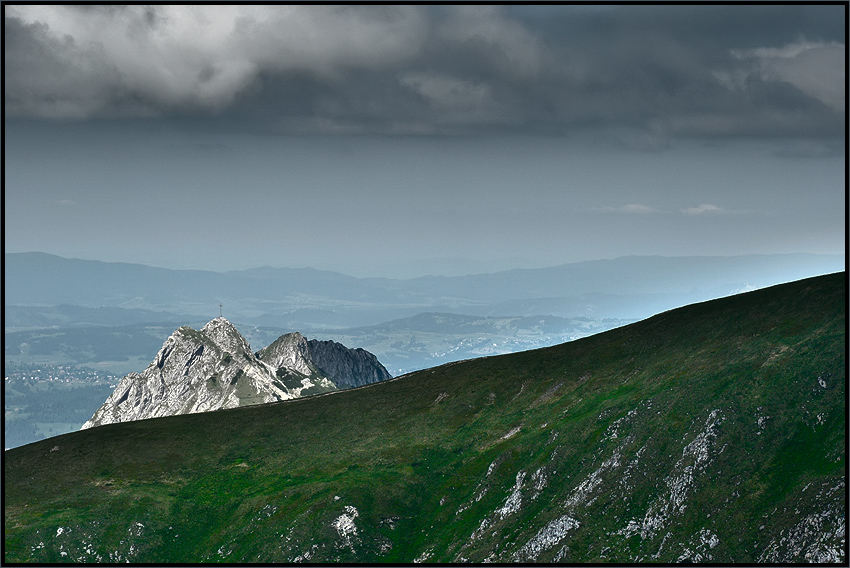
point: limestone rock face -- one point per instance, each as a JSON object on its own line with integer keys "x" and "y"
{"x": 348, "y": 367}
{"x": 288, "y": 351}
{"x": 214, "y": 368}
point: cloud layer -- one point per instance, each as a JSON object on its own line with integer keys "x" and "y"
{"x": 654, "y": 72}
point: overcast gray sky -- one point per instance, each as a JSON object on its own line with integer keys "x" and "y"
{"x": 401, "y": 141}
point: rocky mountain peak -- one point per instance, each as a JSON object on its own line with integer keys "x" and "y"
{"x": 290, "y": 351}
{"x": 226, "y": 336}
{"x": 214, "y": 368}
{"x": 349, "y": 367}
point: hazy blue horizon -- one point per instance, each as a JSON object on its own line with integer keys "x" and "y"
{"x": 525, "y": 203}
{"x": 460, "y": 263}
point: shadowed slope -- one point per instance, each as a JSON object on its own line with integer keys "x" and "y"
{"x": 714, "y": 432}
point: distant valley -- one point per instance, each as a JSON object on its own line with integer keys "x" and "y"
{"x": 403, "y": 345}
{"x": 111, "y": 318}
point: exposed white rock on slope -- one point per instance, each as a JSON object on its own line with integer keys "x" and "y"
{"x": 546, "y": 538}
{"x": 211, "y": 369}
{"x": 696, "y": 457}
{"x": 816, "y": 537}
{"x": 344, "y": 525}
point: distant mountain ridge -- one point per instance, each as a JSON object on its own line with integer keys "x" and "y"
{"x": 21, "y": 318}
{"x": 214, "y": 368}
{"x": 626, "y": 287}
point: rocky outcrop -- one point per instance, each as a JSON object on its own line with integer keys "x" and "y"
{"x": 348, "y": 367}
{"x": 288, "y": 351}
{"x": 214, "y": 368}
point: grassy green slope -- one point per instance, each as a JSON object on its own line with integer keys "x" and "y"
{"x": 712, "y": 432}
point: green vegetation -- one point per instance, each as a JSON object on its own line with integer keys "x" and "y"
{"x": 714, "y": 432}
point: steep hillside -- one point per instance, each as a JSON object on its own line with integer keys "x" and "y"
{"x": 715, "y": 432}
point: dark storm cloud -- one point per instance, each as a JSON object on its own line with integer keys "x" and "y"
{"x": 642, "y": 73}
